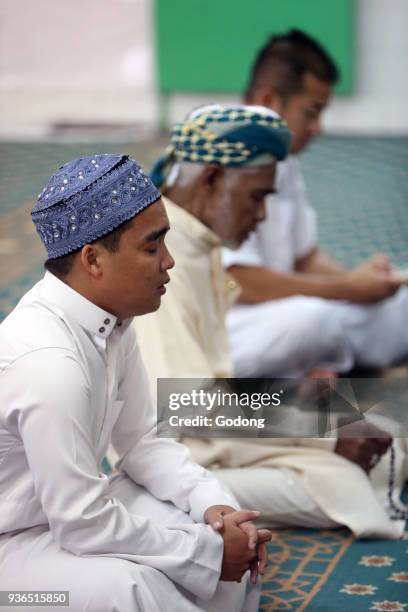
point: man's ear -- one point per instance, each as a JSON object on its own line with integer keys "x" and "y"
{"x": 91, "y": 259}
{"x": 211, "y": 176}
{"x": 269, "y": 97}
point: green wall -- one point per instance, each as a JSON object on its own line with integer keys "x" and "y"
{"x": 209, "y": 45}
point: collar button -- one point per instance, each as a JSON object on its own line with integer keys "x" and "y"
{"x": 107, "y": 321}
{"x": 101, "y": 330}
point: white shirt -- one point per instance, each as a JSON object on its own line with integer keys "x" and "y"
{"x": 289, "y": 231}
{"x": 71, "y": 381}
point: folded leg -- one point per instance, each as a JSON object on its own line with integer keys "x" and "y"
{"x": 279, "y": 494}
{"x": 32, "y": 560}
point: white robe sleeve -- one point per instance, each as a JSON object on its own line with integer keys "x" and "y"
{"x": 53, "y": 416}
{"x": 162, "y": 466}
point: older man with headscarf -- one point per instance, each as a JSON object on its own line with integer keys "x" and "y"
{"x": 216, "y": 173}
{"x": 215, "y": 176}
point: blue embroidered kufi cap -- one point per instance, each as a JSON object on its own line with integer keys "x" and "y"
{"x": 88, "y": 198}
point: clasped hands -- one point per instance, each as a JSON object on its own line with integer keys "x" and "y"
{"x": 244, "y": 544}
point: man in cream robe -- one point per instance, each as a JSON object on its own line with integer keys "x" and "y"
{"x": 297, "y": 482}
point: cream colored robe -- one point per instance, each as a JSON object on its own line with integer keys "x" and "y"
{"x": 186, "y": 337}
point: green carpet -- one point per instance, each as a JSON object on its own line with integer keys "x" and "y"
{"x": 328, "y": 571}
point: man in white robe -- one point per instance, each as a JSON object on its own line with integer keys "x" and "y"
{"x": 299, "y": 309}
{"x": 163, "y": 532}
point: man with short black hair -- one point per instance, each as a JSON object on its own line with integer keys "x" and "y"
{"x": 300, "y": 309}
{"x": 71, "y": 383}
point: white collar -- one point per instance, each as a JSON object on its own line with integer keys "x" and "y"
{"x": 88, "y": 315}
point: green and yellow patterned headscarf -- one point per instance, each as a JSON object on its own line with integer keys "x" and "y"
{"x": 228, "y": 135}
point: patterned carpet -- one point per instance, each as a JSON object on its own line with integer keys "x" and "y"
{"x": 359, "y": 188}
{"x": 360, "y": 191}
{"x": 328, "y": 571}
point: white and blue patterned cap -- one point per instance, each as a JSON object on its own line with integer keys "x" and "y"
{"x": 88, "y": 198}
{"x": 234, "y": 135}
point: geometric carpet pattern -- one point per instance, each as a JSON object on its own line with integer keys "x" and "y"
{"x": 299, "y": 564}
{"x": 328, "y": 571}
